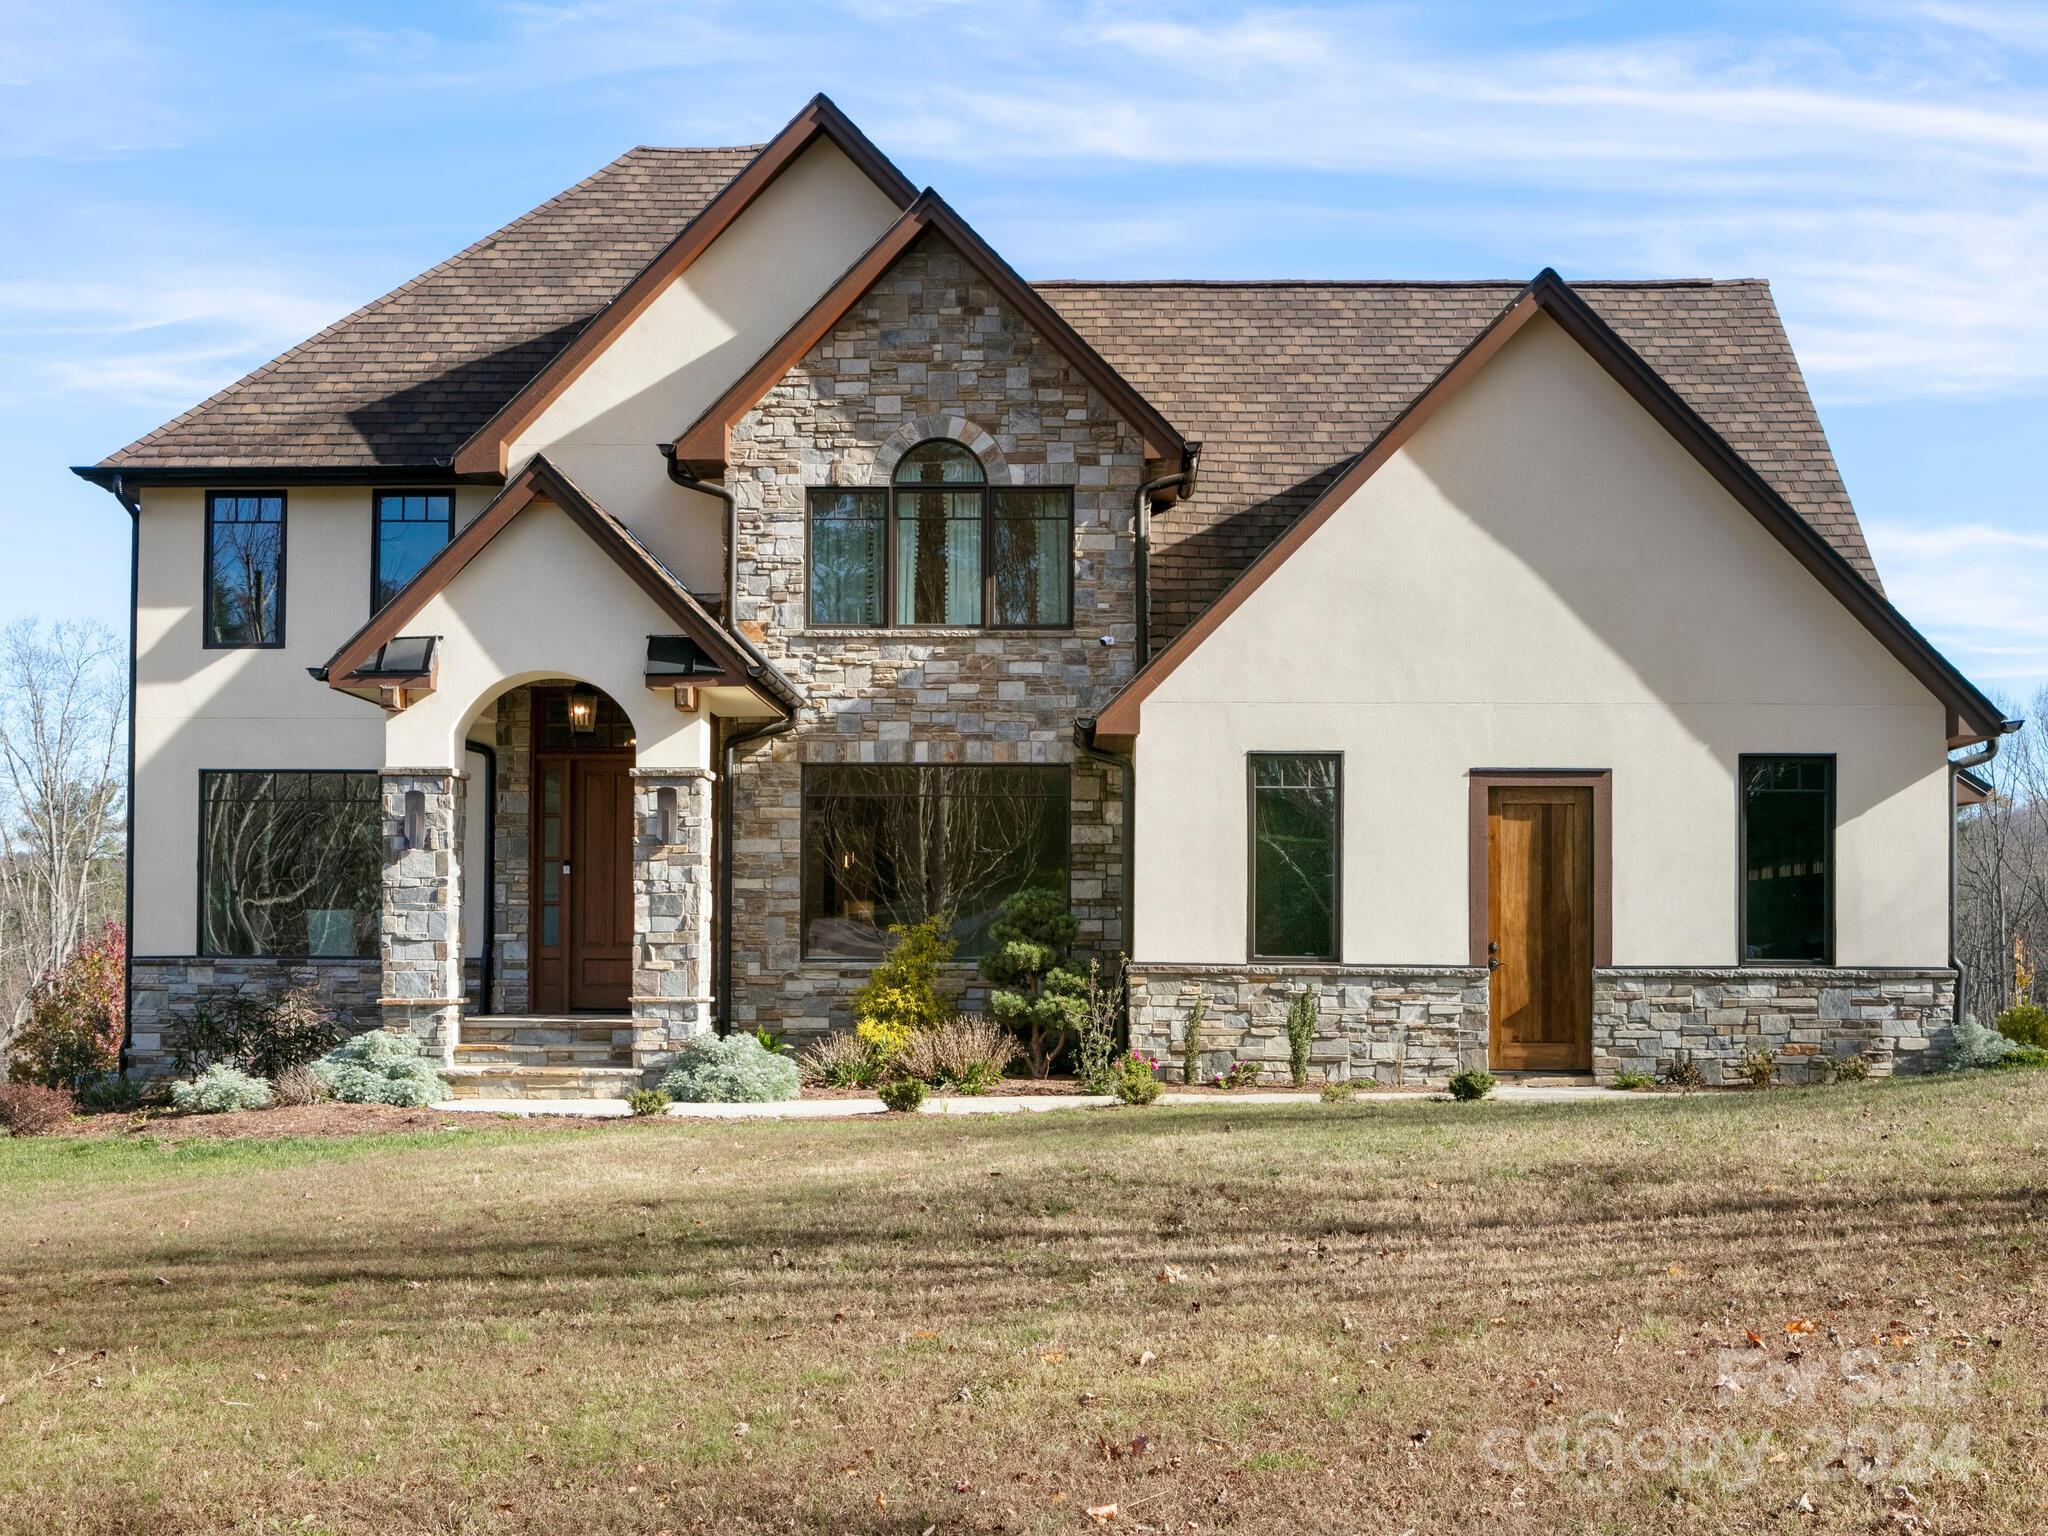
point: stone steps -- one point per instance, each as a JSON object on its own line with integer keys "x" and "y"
{"x": 542, "y": 1082}
{"x": 508, "y": 1054}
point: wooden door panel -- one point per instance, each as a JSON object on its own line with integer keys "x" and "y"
{"x": 601, "y": 890}
{"x": 1540, "y": 920}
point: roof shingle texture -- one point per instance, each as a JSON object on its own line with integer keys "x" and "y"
{"x": 1283, "y": 383}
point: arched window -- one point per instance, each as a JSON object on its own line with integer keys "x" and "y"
{"x": 941, "y": 547}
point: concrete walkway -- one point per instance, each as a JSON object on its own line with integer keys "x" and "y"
{"x": 1003, "y": 1104}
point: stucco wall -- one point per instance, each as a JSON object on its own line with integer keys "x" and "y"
{"x": 701, "y": 333}
{"x": 1543, "y": 578}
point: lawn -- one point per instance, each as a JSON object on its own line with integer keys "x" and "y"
{"x": 1318, "y": 1318}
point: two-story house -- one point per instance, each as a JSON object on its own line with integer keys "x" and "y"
{"x": 607, "y": 635}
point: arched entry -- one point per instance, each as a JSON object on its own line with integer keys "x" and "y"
{"x": 581, "y": 929}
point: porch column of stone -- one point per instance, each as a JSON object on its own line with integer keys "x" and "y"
{"x": 422, "y": 909}
{"x": 671, "y": 913}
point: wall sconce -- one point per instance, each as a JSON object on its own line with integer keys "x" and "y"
{"x": 582, "y": 710}
{"x": 667, "y": 817}
{"x": 415, "y": 818}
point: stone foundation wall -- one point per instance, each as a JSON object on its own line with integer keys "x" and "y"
{"x": 1399, "y": 1027}
{"x": 167, "y": 986}
{"x": 1897, "y": 1021}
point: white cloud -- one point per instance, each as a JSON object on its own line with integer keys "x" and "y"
{"x": 1978, "y": 590}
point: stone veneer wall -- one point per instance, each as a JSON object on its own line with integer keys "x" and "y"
{"x": 1897, "y": 1021}
{"x": 165, "y": 987}
{"x": 931, "y": 351}
{"x": 421, "y": 926}
{"x": 1399, "y": 1027}
{"x": 672, "y": 900}
{"x": 511, "y": 854}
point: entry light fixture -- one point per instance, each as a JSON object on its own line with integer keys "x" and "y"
{"x": 582, "y": 710}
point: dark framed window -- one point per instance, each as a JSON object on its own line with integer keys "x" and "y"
{"x": 1788, "y": 859}
{"x": 886, "y": 844}
{"x": 409, "y": 528}
{"x": 940, "y": 547}
{"x": 1297, "y": 823}
{"x": 244, "y": 603}
{"x": 290, "y": 862}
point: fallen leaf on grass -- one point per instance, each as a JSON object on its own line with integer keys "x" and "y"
{"x": 1102, "y": 1514}
{"x": 1053, "y": 1356}
{"x": 1801, "y": 1325}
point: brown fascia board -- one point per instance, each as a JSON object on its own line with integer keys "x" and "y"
{"x": 541, "y": 479}
{"x": 485, "y": 453}
{"x": 1972, "y": 717}
{"x": 702, "y": 445}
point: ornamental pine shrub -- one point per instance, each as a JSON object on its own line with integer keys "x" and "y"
{"x": 904, "y": 992}
{"x": 2025, "y": 1023}
{"x": 646, "y": 1101}
{"x": 74, "y": 1018}
{"x": 902, "y": 1095}
{"x": 220, "y": 1089}
{"x": 1035, "y": 989}
{"x": 730, "y": 1069}
{"x": 1470, "y": 1085}
{"x": 381, "y": 1066}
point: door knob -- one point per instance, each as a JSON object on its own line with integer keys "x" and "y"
{"x": 1492, "y": 952}
{"x": 565, "y": 871}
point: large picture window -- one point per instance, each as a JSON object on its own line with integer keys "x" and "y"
{"x": 244, "y": 568}
{"x": 885, "y": 845}
{"x": 290, "y": 863}
{"x": 411, "y": 527}
{"x": 1788, "y": 842}
{"x": 941, "y": 547}
{"x": 1296, "y": 834}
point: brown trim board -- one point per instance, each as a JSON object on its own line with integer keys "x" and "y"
{"x": 702, "y": 445}
{"x": 1483, "y": 780}
{"x": 541, "y": 480}
{"x": 485, "y": 451}
{"x": 1976, "y": 717}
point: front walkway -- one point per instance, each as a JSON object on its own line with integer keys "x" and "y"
{"x": 1002, "y": 1104}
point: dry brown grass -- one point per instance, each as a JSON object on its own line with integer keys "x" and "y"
{"x": 1301, "y": 1318}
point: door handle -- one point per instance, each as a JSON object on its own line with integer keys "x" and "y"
{"x": 1492, "y": 951}
{"x": 565, "y": 869}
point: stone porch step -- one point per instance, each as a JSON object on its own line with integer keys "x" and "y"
{"x": 508, "y": 1054}
{"x": 537, "y": 1082}
{"x": 553, "y": 1033}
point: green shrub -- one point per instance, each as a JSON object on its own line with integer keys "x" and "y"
{"x": 1301, "y": 1035}
{"x": 220, "y": 1089}
{"x": 902, "y": 1095}
{"x": 1034, "y": 988}
{"x": 1681, "y": 1071}
{"x": 730, "y": 1069}
{"x": 1972, "y": 1046}
{"x": 967, "y": 1054}
{"x": 264, "y": 1036}
{"x": 1756, "y": 1068}
{"x": 1628, "y": 1080}
{"x": 904, "y": 993}
{"x": 73, "y": 1019}
{"x": 646, "y": 1101}
{"x": 1241, "y": 1074}
{"x": 1470, "y": 1084}
{"x": 1339, "y": 1090}
{"x": 2024, "y": 1023}
{"x": 840, "y": 1061}
{"x": 1842, "y": 1069}
{"x": 383, "y": 1066}
{"x": 32, "y": 1109}
{"x": 1191, "y": 1040}
{"x": 1137, "y": 1079}
{"x": 112, "y": 1094}
{"x": 2019, "y": 1057}
{"x": 774, "y": 1041}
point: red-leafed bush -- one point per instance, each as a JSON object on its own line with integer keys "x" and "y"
{"x": 76, "y": 1017}
{"x": 30, "y": 1109}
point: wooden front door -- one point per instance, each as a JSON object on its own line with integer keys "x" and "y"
{"x": 582, "y": 843}
{"x": 1539, "y": 882}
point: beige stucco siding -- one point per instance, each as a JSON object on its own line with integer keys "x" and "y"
{"x": 706, "y": 329}
{"x": 1542, "y": 578}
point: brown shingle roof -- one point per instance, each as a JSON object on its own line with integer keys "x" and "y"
{"x": 407, "y": 378}
{"x": 1282, "y": 383}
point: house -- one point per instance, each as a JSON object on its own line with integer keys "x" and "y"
{"x": 602, "y": 638}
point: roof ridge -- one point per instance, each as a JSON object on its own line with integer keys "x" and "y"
{"x": 1511, "y": 283}
{"x": 474, "y": 247}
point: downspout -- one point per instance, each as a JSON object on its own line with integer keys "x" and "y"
{"x": 1976, "y": 759}
{"x": 1126, "y": 764}
{"x": 680, "y": 473}
{"x": 725, "y": 836}
{"x": 1191, "y": 463}
{"x": 133, "y": 503}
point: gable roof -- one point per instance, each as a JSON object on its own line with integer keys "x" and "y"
{"x": 485, "y": 451}
{"x": 1972, "y": 716}
{"x": 742, "y": 666}
{"x": 702, "y": 445}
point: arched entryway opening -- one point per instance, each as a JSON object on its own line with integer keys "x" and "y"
{"x": 579, "y": 875}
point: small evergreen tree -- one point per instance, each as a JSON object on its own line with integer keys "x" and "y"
{"x": 1191, "y": 1041}
{"x": 1301, "y": 1034}
{"x": 1037, "y": 991}
{"x": 904, "y": 993}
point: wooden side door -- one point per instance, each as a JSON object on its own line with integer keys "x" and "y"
{"x": 600, "y": 887}
{"x": 1539, "y": 882}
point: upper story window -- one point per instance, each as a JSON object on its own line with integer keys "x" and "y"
{"x": 1788, "y": 843}
{"x": 410, "y": 529}
{"x": 941, "y": 547}
{"x": 244, "y": 599}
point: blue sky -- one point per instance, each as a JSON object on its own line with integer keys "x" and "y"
{"x": 189, "y": 189}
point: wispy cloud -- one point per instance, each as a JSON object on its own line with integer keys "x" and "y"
{"x": 1978, "y": 590}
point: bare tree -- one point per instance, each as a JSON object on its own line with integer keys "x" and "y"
{"x": 2002, "y": 872}
{"x": 63, "y": 706}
